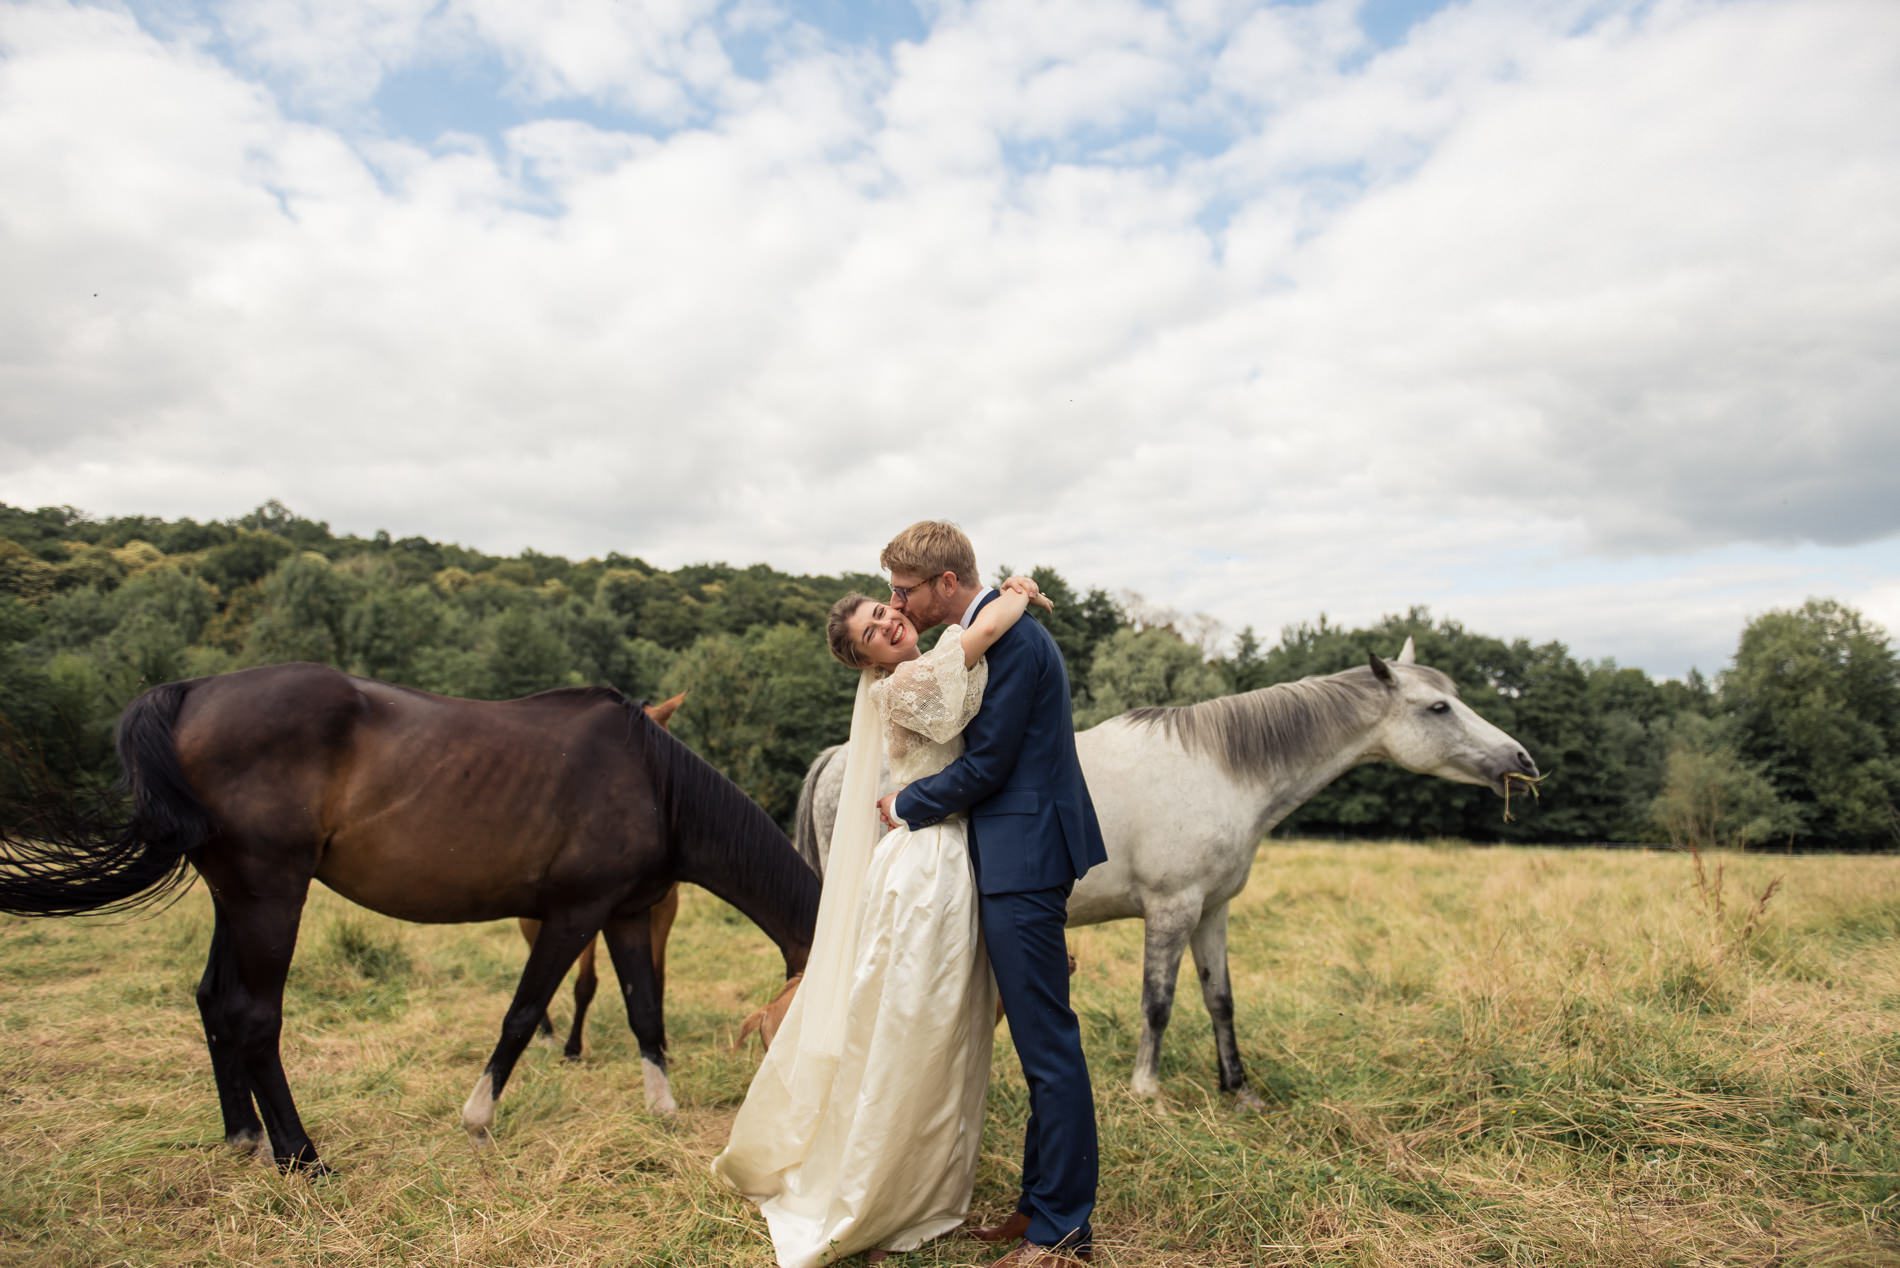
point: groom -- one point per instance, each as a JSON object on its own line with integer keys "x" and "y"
{"x": 1032, "y": 834}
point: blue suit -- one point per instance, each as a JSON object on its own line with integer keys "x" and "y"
{"x": 1032, "y": 834}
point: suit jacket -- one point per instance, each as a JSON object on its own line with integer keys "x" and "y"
{"x": 1032, "y": 825}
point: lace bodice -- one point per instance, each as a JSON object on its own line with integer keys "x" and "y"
{"x": 926, "y": 704}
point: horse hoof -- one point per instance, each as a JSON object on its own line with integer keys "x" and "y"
{"x": 659, "y": 1091}
{"x": 1147, "y": 1089}
{"x": 245, "y": 1143}
{"x": 571, "y": 1054}
{"x": 304, "y": 1163}
{"x": 1245, "y": 1098}
{"x": 478, "y": 1112}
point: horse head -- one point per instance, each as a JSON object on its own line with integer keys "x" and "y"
{"x": 1429, "y": 730}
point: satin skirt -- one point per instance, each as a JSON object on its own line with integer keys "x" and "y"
{"x": 871, "y": 1142}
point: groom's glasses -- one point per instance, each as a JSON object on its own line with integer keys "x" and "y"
{"x": 901, "y": 594}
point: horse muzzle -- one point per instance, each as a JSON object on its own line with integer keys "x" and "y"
{"x": 1516, "y": 768}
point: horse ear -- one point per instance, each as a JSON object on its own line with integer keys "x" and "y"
{"x": 663, "y": 711}
{"x": 1381, "y": 670}
{"x": 1406, "y": 655}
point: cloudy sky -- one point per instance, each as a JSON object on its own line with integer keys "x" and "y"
{"x": 1573, "y": 319}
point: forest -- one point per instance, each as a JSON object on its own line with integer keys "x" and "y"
{"x": 1793, "y": 745}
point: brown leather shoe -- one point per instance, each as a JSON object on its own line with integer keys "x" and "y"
{"x": 1010, "y": 1230}
{"x": 1030, "y": 1255}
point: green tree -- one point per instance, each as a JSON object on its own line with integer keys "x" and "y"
{"x": 452, "y": 669}
{"x": 43, "y": 532}
{"x": 649, "y": 667}
{"x": 1711, "y": 797}
{"x": 622, "y": 591}
{"x": 760, "y": 707}
{"x": 24, "y": 575}
{"x": 760, "y": 596}
{"x": 302, "y": 615}
{"x": 1814, "y": 696}
{"x": 188, "y": 535}
{"x": 522, "y": 654}
{"x": 388, "y": 626}
{"x": 1079, "y": 624}
{"x": 142, "y": 651}
{"x": 670, "y": 615}
{"x": 603, "y": 653}
{"x": 168, "y": 594}
{"x": 149, "y": 626}
{"x": 247, "y": 558}
{"x": 90, "y": 565}
{"x": 1154, "y": 666}
{"x": 114, "y": 604}
{"x": 56, "y": 712}
{"x": 77, "y": 618}
{"x": 1247, "y": 668}
{"x": 275, "y": 518}
{"x": 1635, "y": 715}
{"x": 416, "y": 559}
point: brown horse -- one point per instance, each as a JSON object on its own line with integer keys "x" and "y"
{"x": 660, "y": 920}
{"x": 570, "y": 806}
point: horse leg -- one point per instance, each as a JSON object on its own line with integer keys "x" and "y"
{"x": 243, "y": 1130}
{"x": 529, "y": 930}
{"x": 586, "y": 981}
{"x": 661, "y": 919}
{"x": 1164, "y": 937}
{"x": 1217, "y": 992}
{"x": 630, "y": 942}
{"x": 263, "y": 937}
{"x": 560, "y": 940}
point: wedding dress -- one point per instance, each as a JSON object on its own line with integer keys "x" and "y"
{"x": 862, "y": 1132}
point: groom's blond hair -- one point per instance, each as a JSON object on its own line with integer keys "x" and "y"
{"x": 930, "y": 548}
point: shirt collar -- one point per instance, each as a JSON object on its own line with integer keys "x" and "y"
{"x": 969, "y": 613}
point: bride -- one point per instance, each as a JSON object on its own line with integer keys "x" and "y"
{"x": 861, "y": 1128}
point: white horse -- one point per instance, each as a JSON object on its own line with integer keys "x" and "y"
{"x": 1185, "y": 795}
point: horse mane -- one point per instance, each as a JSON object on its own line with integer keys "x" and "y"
{"x": 805, "y": 818}
{"x": 1251, "y": 732}
{"x": 587, "y": 695}
{"x": 724, "y": 840}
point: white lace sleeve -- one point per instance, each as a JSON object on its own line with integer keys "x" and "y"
{"x": 934, "y": 695}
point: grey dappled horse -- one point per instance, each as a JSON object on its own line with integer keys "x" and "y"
{"x": 1185, "y": 795}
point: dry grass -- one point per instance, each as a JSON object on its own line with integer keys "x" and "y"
{"x": 1508, "y": 1056}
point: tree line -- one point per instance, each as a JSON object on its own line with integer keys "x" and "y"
{"x": 1795, "y": 744}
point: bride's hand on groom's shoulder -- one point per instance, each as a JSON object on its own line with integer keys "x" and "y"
{"x": 1027, "y": 587}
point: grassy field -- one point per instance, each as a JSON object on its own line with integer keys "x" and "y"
{"x": 1502, "y": 1056}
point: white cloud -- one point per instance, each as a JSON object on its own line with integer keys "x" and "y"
{"x": 332, "y": 55}
{"x": 659, "y": 58}
{"x": 1568, "y": 289}
{"x": 662, "y": 60}
{"x": 1881, "y": 604}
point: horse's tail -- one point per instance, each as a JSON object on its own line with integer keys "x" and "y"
{"x": 62, "y": 856}
{"x": 805, "y": 818}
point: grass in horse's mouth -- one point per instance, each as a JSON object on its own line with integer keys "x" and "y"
{"x": 1530, "y": 783}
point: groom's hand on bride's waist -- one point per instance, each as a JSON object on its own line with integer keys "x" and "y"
{"x": 887, "y": 810}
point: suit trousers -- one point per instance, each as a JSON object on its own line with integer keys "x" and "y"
{"x": 1023, "y": 934}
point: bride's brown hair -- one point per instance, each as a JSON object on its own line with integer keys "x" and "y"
{"x": 838, "y": 630}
